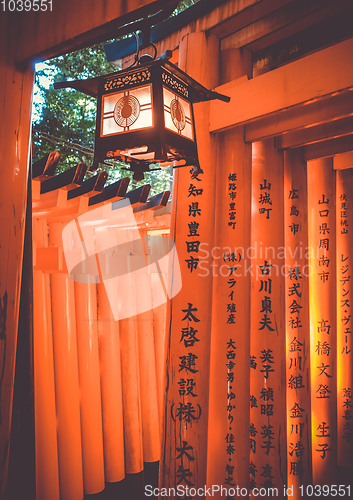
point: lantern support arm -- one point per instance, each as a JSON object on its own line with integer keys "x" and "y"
{"x": 220, "y": 97}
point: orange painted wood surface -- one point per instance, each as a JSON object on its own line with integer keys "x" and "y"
{"x": 228, "y": 425}
{"x": 67, "y": 391}
{"x": 15, "y": 104}
{"x": 66, "y": 26}
{"x": 327, "y": 71}
{"x": 147, "y": 367}
{"x": 323, "y": 326}
{"x": 90, "y": 390}
{"x": 184, "y": 449}
{"x": 112, "y": 408}
{"x": 297, "y": 322}
{"x": 322, "y": 110}
{"x": 267, "y": 329}
{"x": 131, "y": 390}
{"x": 159, "y": 247}
{"x": 46, "y": 445}
{"x": 344, "y": 235}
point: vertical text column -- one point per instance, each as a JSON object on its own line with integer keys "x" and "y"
{"x": 344, "y": 228}
{"x": 322, "y": 289}
{"x": 228, "y": 431}
{"x": 184, "y": 449}
{"x": 267, "y": 335}
{"x": 297, "y": 323}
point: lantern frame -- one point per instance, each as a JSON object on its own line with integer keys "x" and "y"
{"x": 161, "y": 144}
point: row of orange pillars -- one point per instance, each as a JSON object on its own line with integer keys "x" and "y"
{"x": 88, "y": 389}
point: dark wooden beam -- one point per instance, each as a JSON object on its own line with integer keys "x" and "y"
{"x": 89, "y": 187}
{"x": 116, "y": 190}
{"x": 46, "y": 166}
{"x": 155, "y": 202}
{"x": 136, "y": 196}
{"x": 70, "y": 179}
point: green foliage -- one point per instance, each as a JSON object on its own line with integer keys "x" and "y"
{"x": 68, "y": 115}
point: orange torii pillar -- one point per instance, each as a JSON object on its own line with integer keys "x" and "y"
{"x": 322, "y": 289}
{"x": 344, "y": 232}
{"x": 134, "y": 452}
{"x": 90, "y": 389}
{"x": 267, "y": 335}
{"x": 46, "y": 455}
{"x": 160, "y": 246}
{"x": 297, "y": 323}
{"x": 228, "y": 423}
{"x": 67, "y": 391}
{"x": 15, "y": 89}
{"x": 112, "y": 409}
{"x": 184, "y": 449}
{"x": 146, "y": 356}
{"x": 228, "y": 427}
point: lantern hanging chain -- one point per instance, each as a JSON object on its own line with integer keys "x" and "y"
{"x": 136, "y": 58}
{"x": 146, "y": 36}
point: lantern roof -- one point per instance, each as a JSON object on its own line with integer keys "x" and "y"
{"x": 197, "y": 92}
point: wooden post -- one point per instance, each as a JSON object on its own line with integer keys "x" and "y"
{"x": 15, "y": 104}
{"x": 297, "y": 323}
{"x": 161, "y": 247}
{"x": 228, "y": 429}
{"x": 344, "y": 232}
{"x": 130, "y": 369}
{"x": 47, "y": 472}
{"x": 323, "y": 327}
{"x": 147, "y": 367}
{"x": 112, "y": 409}
{"x": 66, "y": 379}
{"x": 267, "y": 335}
{"x": 184, "y": 450}
{"x": 228, "y": 424}
{"x": 90, "y": 392}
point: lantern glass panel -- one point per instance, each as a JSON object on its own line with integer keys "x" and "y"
{"x": 177, "y": 114}
{"x": 126, "y": 111}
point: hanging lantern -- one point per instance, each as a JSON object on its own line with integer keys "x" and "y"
{"x": 145, "y": 114}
